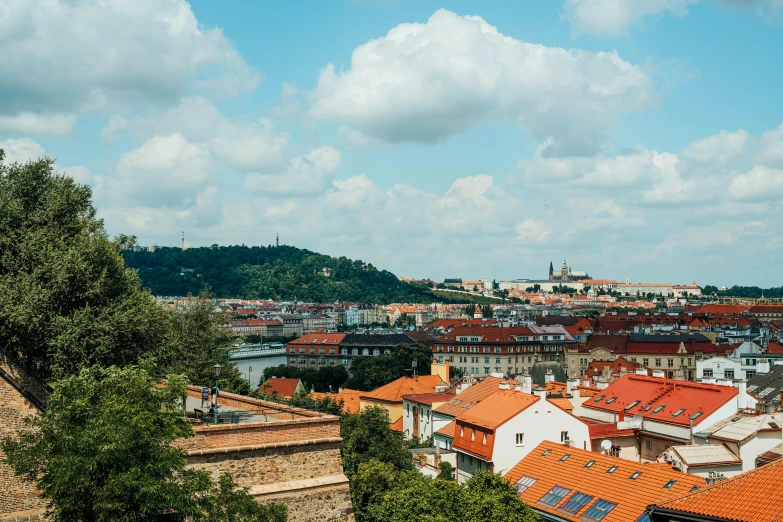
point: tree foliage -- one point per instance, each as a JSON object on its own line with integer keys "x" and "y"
{"x": 366, "y": 436}
{"x": 282, "y": 272}
{"x": 371, "y": 372}
{"x": 103, "y": 451}
{"x": 324, "y": 379}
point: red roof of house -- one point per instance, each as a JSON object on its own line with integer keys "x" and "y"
{"x": 428, "y": 398}
{"x": 398, "y": 388}
{"x": 597, "y": 367}
{"x": 551, "y": 464}
{"x": 643, "y": 395}
{"x": 469, "y": 398}
{"x": 447, "y": 430}
{"x": 283, "y": 386}
{"x": 488, "y": 335}
{"x": 319, "y": 339}
{"x": 753, "y": 496}
{"x": 774, "y": 347}
{"x": 723, "y": 309}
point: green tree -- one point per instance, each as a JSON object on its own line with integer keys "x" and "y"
{"x": 367, "y": 436}
{"x": 371, "y": 372}
{"x": 102, "y": 451}
{"x": 368, "y": 485}
{"x": 332, "y": 406}
{"x": 66, "y": 299}
{"x": 446, "y": 471}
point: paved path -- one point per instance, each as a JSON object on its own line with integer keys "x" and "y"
{"x": 245, "y": 415}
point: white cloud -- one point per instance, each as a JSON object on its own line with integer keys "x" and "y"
{"x": 771, "y": 147}
{"x": 306, "y": 175}
{"x": 36, "y": 124}
{"x": 164, "y": 171}
{"x": 425, "y": 82}
{"x": 720, "y": 149}
{"x": 760, "y": 183}
{"x": 616, "y": 17}
{"x": 21, "y": 150}
{"x": 532, "y": 231}
{"x": 115, "y": 125}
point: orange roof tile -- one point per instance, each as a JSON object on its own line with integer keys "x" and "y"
{"x": 640, "y": 394}
{"x": 395, "y": 390}
{"x": 498, "y": 408}
{"x": 631, "y": 496}
{"x": 470, "y": 397}
{"x": 753, "y": 496}
{"x": 397, "y": 425}
{"x": 447, "y": 430}
{"x": 562, "y": 403}
{"x": 350, "y": 398}
{"x": 283, "y": 386}
{"x": 428, "y": 398}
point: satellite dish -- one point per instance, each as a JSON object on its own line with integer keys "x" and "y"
{"x": 606, "y": 444}
{"x": 636, "y": 421}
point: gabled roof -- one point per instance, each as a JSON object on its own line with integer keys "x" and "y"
{"x": 428, "y": 398}
{"x": 350, "y": 398}
{"x": 395, "y": 390}
{"x": 498, "y": 408}
{"x": 447, "y": 430}
{"x": 613, "y": 343}
{"x": 548, "y": 466}
{"x": 283, "y": 386}
{"x": 470, "y": 397}
{"x": 766, "y": 386}
{"x": 320, "y": 338}
{"x": 660, "y": 399}
{"x": 705, "y": 455}
{"x": 753, "y": 496}
{"x": 487, "y": 335}
{"x": 740, "y": 427}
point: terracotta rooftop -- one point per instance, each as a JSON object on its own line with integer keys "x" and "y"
{"x": 283, "y": 386}
{"x": 350, "y": 398}
{"x": 397, "y": 425}
{"x": 498, "y": 408}
{"x": 319, "y": 339}
{"x": 625, "y": 487}
{"x": 753, "y": 496}
{"x": 447, "y": 430}
{"x": 470, "y": 397}
{"x": 428, "y": 398}
{"x": 397, "y": 389}
{"x": 662, "y": 400}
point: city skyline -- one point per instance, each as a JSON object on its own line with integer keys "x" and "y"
{"x": 432, "y": 140}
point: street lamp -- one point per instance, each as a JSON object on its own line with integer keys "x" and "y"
{"x": 216, "y": 370}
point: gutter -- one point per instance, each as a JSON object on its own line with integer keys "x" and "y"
{"x": 659, "y": 514}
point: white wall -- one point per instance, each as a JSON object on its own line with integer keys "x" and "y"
{"x": 541, "y": 421}
{"x": 759, "y": 444}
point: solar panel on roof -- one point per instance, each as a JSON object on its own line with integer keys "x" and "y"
{"x": 524, "y": 483}
{"x": 599, "y": 510}
{"x": 575, "y": 503}
{"x": 555, "y": 495}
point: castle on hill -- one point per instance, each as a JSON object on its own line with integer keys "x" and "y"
{"x": 566, "y": 274}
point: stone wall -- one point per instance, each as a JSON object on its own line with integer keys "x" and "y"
{"x": 324, "y": 502}
{"x": 19, "y": 500}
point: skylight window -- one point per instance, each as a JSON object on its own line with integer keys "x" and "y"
{"x": 670, "y": 484}
{"x": 565, "y": 457}
{"x": 678, "y": 412}
{"x": 610, "y": 401}
{"x": 600, "y": 397}
{"x": 752, "y": 387}
{"x": 765, "y": 392}
{"x": 575, "y": 503}
{"x": 773, "y": 425}
{"x": 546, "y": 452}
{"x": 611, "y": 470}
{"x": 455, "y": 402}
{"x": 694, "y": 488}
{"x": 635, "y": 475}
{"x": 659, "y": 408}
{"x": 696, "y": 415}
{"x": 599, "y": 510}
{"x": 589, "y": 463}
{"x": 634, "y": 403}
{"x": 524, "y": 483}
{"x": 555, "y": 495}
{"x": 644, "y": 517}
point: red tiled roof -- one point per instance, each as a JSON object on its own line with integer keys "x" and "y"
{"x": 613, "y": 343}
{"x": 447, "y": 430}
{"x": 498, "y": 408}
{"x": 470, "y": 397}
{"x": 753, "y": 496}
{"x": 350, "y": 398}
{"x": 488, "y": 335}
{"x": 650, "y": 392}
{"x": 631, "y": 496}
{"x": 395, "y": 390}
{"x": 397, "y": 425}
{"x": 317, "y": 339}
{"x": 597, "y": 367}
{"x": 428, "y": 398}
{"x": 283, "y": 386}
{"x": 775, "y": 348}
{"x": 723, "y": 309}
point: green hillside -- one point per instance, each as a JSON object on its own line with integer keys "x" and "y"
{"x": 280, "y": 273}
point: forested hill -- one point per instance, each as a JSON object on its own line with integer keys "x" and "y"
{"x": 280, "y": 273}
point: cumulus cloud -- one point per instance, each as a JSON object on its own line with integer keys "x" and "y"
{"x": 306, "y": 175}
{"x": 760, "y": 183}
{"x": 426, "y": 82}
{"x": 61, "y": 58}
{"x": 21, "y": 150}
{"x": 616, "y": 17}
{"x": 36, "y": 124}
{"x": 532, "y": 231}
{"x": 114, "y": 126}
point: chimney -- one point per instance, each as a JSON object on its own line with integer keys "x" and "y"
{"x": 742, "y": 398}
{"x": 526, "y": 381}
{"x": 540, "y": 393}
{"x": 724, "y": 382}
{"x": 549, "y": 376}
{"x": 762, "y": 366}
{"x": 503, "y": 385}
{"x": 601, "y": 383}
{"x": 496, "y": 374}
{"x": 571, "y": 386}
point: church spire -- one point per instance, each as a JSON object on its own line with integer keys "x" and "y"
{"x": 551, "y": 269}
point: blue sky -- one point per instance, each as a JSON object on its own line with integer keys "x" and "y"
{"x": 638, "y": 139}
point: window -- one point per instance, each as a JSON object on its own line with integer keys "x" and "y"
{"x": 644, "y": 517}
{"x": 646, "y": 362}
{"x": 525, "y": 482}
{"x": 657, "y": 362}
{"x": 729, "y": 374}
{"x": 678, "y": 412}
{"x": 670, "y": 362}
{"x": 634, "y": 403}
{"x": 564, "y": 457}
{"x": 486, "y": 349}
{"x": 497, "y": 349}
{"x": 555, "y": 495}
{"x": 648, "y": 444}
{"x": 689, "y": 362}
{"x": 575, "y": 503}
{"x": 659, "y": 408}
{"x": 497, "y": 360}
{"x": 484, "y": 442}
{"x": 670, "y": 484}
{"x": 600, "y": 397}
{"x": 610, "y": 401}
{"x": 611, "y": 470}
{"x": 707, "y": 372}
{"x": 521, "y": 438}
{"x": 598, "y": 510}
{"x": 589, "y": 463}
{"x": 695, "y": 415}
{"x": 546, "y": 452}
{"x": 635, "y": 475}
{"x": 563, "y": 436}
{"x": 749, "y": 374}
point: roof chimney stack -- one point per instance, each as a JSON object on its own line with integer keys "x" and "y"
{"x": 526, "y": 381}
{"x": 549, "y": 377}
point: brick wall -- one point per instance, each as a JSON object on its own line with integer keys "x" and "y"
{"x": 18, "y": 499}
{"x": 273, "y": 464}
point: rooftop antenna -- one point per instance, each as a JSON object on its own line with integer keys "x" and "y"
{"x": 606, "y": 445}
{"x": 277, "y": 240}
{"x": 183, "y": 240}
